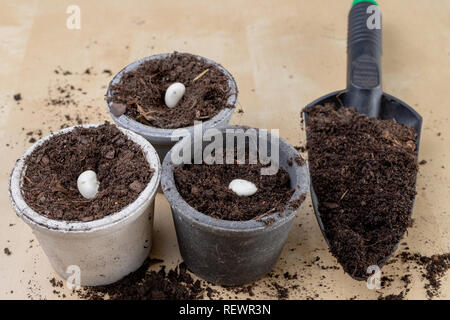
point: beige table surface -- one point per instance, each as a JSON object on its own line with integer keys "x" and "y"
{"x": 283, "y": 55}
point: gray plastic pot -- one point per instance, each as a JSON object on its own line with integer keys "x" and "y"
{"x": 232, "y": 252}
{"x": 103, "y": 250}
{"x": 161, "y": 139}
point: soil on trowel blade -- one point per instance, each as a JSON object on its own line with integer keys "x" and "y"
{"x": 364, "y": 172}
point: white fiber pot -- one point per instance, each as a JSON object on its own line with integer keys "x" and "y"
{"x": 104, "y": 250}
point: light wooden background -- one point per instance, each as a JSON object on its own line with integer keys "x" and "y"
{"x": 283, "y": 55}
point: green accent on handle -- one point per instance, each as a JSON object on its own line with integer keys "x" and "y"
{"x": 358, "y": 1}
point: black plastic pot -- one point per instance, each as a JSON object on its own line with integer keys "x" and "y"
{"x": 233, "y": 252}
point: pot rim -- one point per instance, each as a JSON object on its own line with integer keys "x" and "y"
{"x": 166, "y": 134}
{"x": 176, "y": 201}
{"x": 38, "y": 220}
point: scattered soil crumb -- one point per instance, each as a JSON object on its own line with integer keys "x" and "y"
{"x": 399, "y": 296}
{"x": 433, "y": 269}
{"x": 143, "y": 90}
{"x": 56, "y": 283}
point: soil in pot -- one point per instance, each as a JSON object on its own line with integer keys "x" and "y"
{"x": 364, "y": 172}
{"x": 145, "y": 284}
{"x": 206, "y": 188}
{"x": 52, "y": 169}
{"x": 142, "y": 91}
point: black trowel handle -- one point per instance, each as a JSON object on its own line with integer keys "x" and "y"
{"x": 364, "y": 49}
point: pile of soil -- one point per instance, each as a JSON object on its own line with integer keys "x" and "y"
{"x": 205, "y": 188}
{"x": 176, "y": 284}
{"x": 434, "y": 268}
{"x": 142, "y": 91}
{"x": 50, "y": 181}
{"x": 399, "y": 296}
{"x": 282, "y": 292}
{"x": 364, "y": 172}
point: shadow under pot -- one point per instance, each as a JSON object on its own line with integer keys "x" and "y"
{"x": 98, "y": 250}
{"x": 233, "y": 252}
{"x": 139, "y": 89}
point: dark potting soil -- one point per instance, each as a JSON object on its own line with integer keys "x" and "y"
{"x": 205, "y": 188}
{"x": 282, "y": 292}
{"x": 434, "y": 268}
{"x": 50, "y": 181}
{"x": 142, "y": 91}
{"x": 364, "y": 172}
{"x": 399, "y": 296}
{"x": 175, "y": 284}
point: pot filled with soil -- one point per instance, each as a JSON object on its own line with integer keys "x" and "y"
{"x": 156, "y": 95}
{"x": 231, "y": 220}
{"x": 87, "y": 193}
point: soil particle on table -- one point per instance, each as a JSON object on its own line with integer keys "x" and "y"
{"x": 289, "y": 276}
{"x": 67, "y": 98}
{"x": 282, "y": 292}
{"x": 60, "y": 70}
{"x": 386, "y": 281}
{"x": 406, "y": 279}
{"x": 143, "y": 90}
{"x": 63, "y": 95}
{"x": 34, "y": 135}
{"x": 143, "y": 284}
{"x": 243, "y": 289}
{"x": 205, "y": 188}
{"x": 399, "y": 296}
{"x": 50, "y": 180}
{"x": 433, "y": 269}
{"x": 56, "y": 283}
{"x": 364, "y": 172}
{"x": 278, "y": 285}
{"x": 7, "y": 251}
